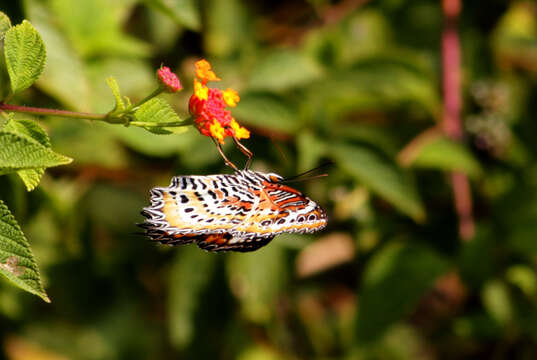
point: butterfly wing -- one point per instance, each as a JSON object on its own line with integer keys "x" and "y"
{"x": 196, "y": 205}
{"x": 240, "y": 212}
{"x": 282, "y": 209}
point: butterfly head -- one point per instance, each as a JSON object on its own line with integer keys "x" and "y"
{"x": 273, "y": 177}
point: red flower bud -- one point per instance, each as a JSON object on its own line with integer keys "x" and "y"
{"x": 169, "y": 80}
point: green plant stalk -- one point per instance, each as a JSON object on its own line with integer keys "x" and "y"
{"x": 109, "y": 118}
{"x": 155, "y": 93}
{"x": 61, "y": 113}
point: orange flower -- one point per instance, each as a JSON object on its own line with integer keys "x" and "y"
{"x": 231, "y": 97}
{"x": 208, "y": 106}
{"x": 238, "y": 131}
{"x": 204, "y": 72}
{"x": 217, "y": 131}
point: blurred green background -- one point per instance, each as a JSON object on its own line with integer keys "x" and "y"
{"x": 348, "y": 81}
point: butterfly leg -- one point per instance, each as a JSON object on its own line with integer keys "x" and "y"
{"x": 245, "y": 151}
{"x": 226, "y": 160}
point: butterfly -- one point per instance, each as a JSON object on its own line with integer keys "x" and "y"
{"x": 237, "y": 212}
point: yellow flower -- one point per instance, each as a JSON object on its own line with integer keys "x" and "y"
{"x": 204, "y": 72}
{"x": 201, "y": 91}
{"x": 240, "y": 132}
{"x": 231, "y": 97}
{"x": 217, "y": 131}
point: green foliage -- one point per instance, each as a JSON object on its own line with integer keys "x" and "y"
{"x": 357, "y": 83}
{"x": 281, "y": 70}
{"x": 394, "y": 281}
{"x": 17, "y": 262}
{"x": 25, "y": 55}
{"x": 441, "y": 153}
{"x": 20, "y": 152}
{"x": 31, "y": 130}
{"x": 5, "y": 24}
{"x": 189, "y": 276}
{"x": 382, "y": 177}
{"x": 114, "y": 86}
{"x": 183, "y": 12}
{"x": 156, "y": 111}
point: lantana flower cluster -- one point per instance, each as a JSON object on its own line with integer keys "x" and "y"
{"x": 208, "y": 106}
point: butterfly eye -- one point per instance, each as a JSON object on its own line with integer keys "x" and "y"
{"x": 275, "y": 178}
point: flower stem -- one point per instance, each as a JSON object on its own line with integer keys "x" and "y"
{"x": 157, "y": 92}
{"x": 61, "y": 113}
{"x": 451, "y": 59}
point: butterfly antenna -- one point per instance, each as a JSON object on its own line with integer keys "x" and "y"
{"x": 328, "y": 163}
{"x": 245, "y": 151}
{"x": 303, "y": 179}
{"x": 226, "y": 160}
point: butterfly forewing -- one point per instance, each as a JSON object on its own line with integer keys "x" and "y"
{"x": 239, "y": 212}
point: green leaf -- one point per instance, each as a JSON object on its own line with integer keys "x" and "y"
{"x": 149, "y": 143}
{"x": 25, "y": 55}
{"x": 375, "y": 84}
{"x": 310, "y": 149}
{"x": 17, "y": 262}
{"x": 189, "y": 276}
{"x": 114, "y": 86}
{"x": 183, "y": 12}
{"x": 18, "y": 152}
{"x": 5, "y": 24}
{"x": 89, "y": 145}
{"x": 394, "y": 281}
{"x": 156, "y": 111}
{"x": 104, "y": 34}
{"x": 497, "y": 301}
{"x": 438, "y": 152}
{"x": 381, "y": 176}
{"x": 256, "y": 279}
{"x": 31, "y": 130}
{"x": 64, "y": 77}
{"x": 283, "y": 69}
{"x": 266, "y": 112}
{"x": 225, "y": 27}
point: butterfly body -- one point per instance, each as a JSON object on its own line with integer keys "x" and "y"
{"x": 237, "y": 212}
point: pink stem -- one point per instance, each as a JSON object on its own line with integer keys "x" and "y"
{"x": 452, "y": 108}
{"x": 53, "y": 112}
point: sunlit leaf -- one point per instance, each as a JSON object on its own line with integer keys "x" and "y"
{"x": 394, "y": 280}
{"x": 114, "y": 87}
{"x": 17, "y": 262}
{"x": 156, "y": 111}
{"x": 30, "y": 129}
{"x": 382, "y": 177}
{"x": 25, "y": 55}
{"x": 20, "y": 153}
{"x": 5, "y": 24}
